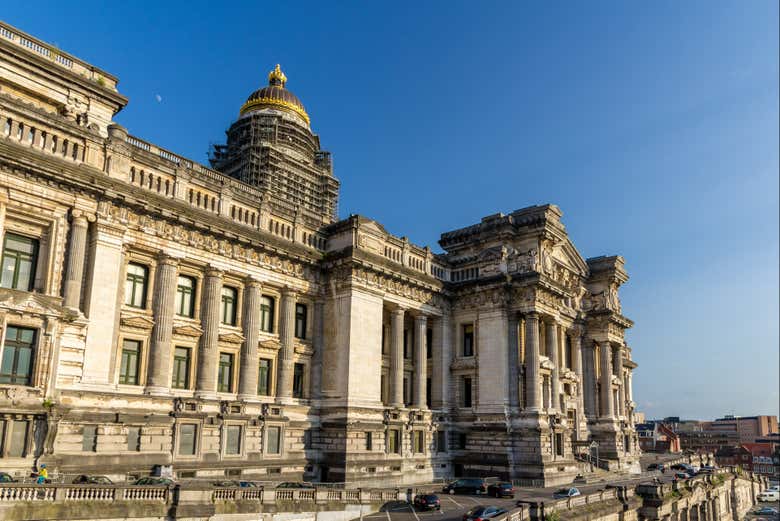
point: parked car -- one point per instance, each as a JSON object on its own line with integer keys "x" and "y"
{"x": 226, "y": 484}
{"x": 151, "y": 480}
{"x": 5, "y": 477}
{"x": 681, "y": 475}
{"x": 480, "y": 513}
{"x": 680, "y": 466}
{"x": 247, "y": 484}
{"x": 766, "y": 511}
{"x": 656, "y": 466}
{"x": 84, "y": 479}
{"x": 427, "y": 502}
{"x": 566, "y": 492}
{"x": 466, "y": 486}
{"x": 501, "y": 489}
{"x": 294, "y": 484}
{"x": 769, "y": 495}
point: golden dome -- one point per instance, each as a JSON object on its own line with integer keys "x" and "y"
{"x": 275, "y": 95}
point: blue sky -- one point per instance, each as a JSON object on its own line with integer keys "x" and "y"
{"x": 654, "y": 126}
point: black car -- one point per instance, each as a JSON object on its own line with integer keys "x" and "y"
{"x": 294, "y": 484}
{"x": 501, "y": 489}
{"x": 466, "y": 486}
{"x": 152, "y": 480}
{"x": 656, "y": 466}
{"x": 92, "y": 480}
{"x": 5, "y": 477}
{"x": 427, "y": 502}
{"x": 480, "y": 513}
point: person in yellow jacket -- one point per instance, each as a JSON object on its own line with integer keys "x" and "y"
{"x": 43, "y": 475}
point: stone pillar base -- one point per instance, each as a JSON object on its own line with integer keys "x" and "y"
{"x": 157, "y": 391}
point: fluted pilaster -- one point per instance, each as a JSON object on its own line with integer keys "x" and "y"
{"x": 532, "y": 362}
{"x": 575, "y": 339}
{"x": 159, "y": 377}
{"x": 512, "y": 359}
{"x": 286, "y": 351}
{"x": 250, "y": 322}
{"x": 607, "y": 405}
{"x": 318, "y": 343}
{"x": 620, "y": 407}
{"x": 551, "y": 340}
{"x": 397, "y": 357}
{"x": 76, "y": 254}
{"x": 420, "y": 361}
{"x": 208, "y": 349}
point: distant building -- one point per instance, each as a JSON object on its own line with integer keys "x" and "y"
{"x": 734, "y": 455}
{"x": 765, "y": 459}
{"x": 657, "y": 437}
{"x": 706, "y": 441}
{"x": 746, "y": 428}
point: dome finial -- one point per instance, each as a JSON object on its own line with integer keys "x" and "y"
{"x": 276, "y": 77}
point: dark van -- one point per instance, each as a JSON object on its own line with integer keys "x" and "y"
{"x": 467, "y": 486}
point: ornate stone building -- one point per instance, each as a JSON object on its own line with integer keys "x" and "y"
{"x": 156, "y": 311}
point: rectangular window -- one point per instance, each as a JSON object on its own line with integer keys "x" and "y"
{"x": 225, "y": 375}
{"x": 136, "y": 282}
{"x": 267, "y": 314}
{"x": 187, "y": 439}
{"x": 274, "y": 437}
{"x": 185, "y": 296}
{"x": 394, "y": 441}
{"x": 406, "y": 343}
{"x": 419, "y": 442}
{"x": 229, "y": 299}
{"x": 233, "y": 439}
{"x": 264, "y": 377}
{"x": 467, "y": 392}
{"x": 181, "y": 368}
{"x": 17, "y": 363}
{"x": 429, "y": 343}
{"x": 17, "y": 447}
{"x": 298, "y": 371}
{"x": 300, "y": 320}
{"x": 428, "y": 392}
{"x": 20, "y": 254}
{"x": 559, "y": 444}
{"x": 89, "y": 438}
{"x": 468, "y": 340}
{"x": 134, "y": 439}
{"x": 128, "y": 367}
{"x": 462, "y": 441}
{"x": 384, "y": 339}
{"x": 441, "y": 441}
{"x": 369, "y": 440}
{"x": 406, "y": 392}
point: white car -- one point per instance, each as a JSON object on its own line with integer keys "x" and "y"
{"x": 566, "y": 492}
{"x": 769, "y": 495}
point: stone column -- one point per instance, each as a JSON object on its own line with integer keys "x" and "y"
{"x": 532, "y": 362}
{"x": 250, "y": 322}
{"x": 159, "y": 378}
{"x": 551, "y": 339}
{"x": 512, "y": 359}
{"x": 77, "y": 251}
{"x": 397, "y": 357}
{"x": 620, "y": 409}
{"x": 318, "y": 343}
{"x": 576, "y": 361}
{"x": 442, "y": 359}
{"x": 286, "y": 338}
{"x": 607, "y": 407}
{"x": 589, "y": 380}
{"x": 420, "y": 361}
{"x": 208, "y": 349}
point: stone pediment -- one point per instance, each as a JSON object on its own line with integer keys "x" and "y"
{"x": 231, "y": 338}
{"x": 373, "y": 228}
{"x": 187, "y": 330}
{"x": 269, "y": 344}
{"x": 33, "y": 303}
{"x": 136, "y": 321}
{"x": 304, "y": 349}
{"x": 567, "y": 255}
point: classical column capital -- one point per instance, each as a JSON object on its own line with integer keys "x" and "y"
{"x": 165, "y": 258}
{"x": 214, "y": 271}
{"x": 82, "y": 218}
{"x": 252, "y": 282}
{"x": 419, "y": 318}
{"x": 577, "y": 330}
{"x": 399, "y": 310}
{"x": 288, "y": 291}
{"x": 532, "y": 315}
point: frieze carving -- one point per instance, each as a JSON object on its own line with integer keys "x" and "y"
{"x": 162, "y": 228}
{"x": 607, "y": 299}
{"x": 343, "y": 275}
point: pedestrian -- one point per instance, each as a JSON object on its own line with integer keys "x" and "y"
{"x": 43, "y": 475}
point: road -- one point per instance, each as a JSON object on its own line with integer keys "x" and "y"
{"x": 756, "y": 517}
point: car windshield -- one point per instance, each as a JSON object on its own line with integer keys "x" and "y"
{"x": 563, "y": 491}
{"x": 476, "y": 511}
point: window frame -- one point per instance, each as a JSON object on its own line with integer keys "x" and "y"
{"x": 394, "y": 441}
{"x": 138, "y": 359}
{"x": 17, "y": 345}
{"x": 268, "y": 376}
{"x": 467, "y": 341}
{"x": 181, "y": 292}
{"x": 226, "y": 428}
{"x": 195, "y": 440}
{"x": 17, "y": 256}
{"x": 188, "y": 367}
{"x": 301, "y": 320}
{"x": 267, "y": 313}
{"x": 233, "y": 318}
{"x": 267, "y": 440}
{"x": 299, "y": 380}
{"x": 84, "y": 438}
{"x": 133, "y": 280}
{"x": 220, "y": 372}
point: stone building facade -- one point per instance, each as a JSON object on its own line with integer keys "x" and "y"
{"x": 156, "y": 311}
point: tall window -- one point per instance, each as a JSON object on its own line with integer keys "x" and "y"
{"x": 394, "y": 441}
{"x": 134, "y": 439}
{"x": 15, "y": 435}
{"x": 369, "y": 440}
{"x": 406, "y": 391}
{"x": 264, "y": 377}
{"x": 187, "y": 439}
{"x": 17, "y": 364}
{"x": 267, "y": 314}
{"x": 418, "y": 439}
{"x": 428, "y": 390}
{"x": 229, "y": 299}
{"x": 225, "y": 376}
{"x": 298, "y": 370}
{"x": 181, "y": 368}
{"x": 185, "y": 296}
{"x": 429, "y": 343}
{"x": 467, "y": 392}
{"x": 135, "y": 285}
{"x": 441, "y": 441}
{"x": 89, "y": 438}
{"x": 233, "y": 440}
{"x": 128, "y": 367}
{"x": 406, "y": 343}
{"x": 20, "y": 255}
{"x": 273, "y": 433}
{"x": 300, "y": 320}
{"x": 468, "y": 340}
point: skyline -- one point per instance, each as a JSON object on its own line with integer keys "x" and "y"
{"x": 689, "y": 136}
